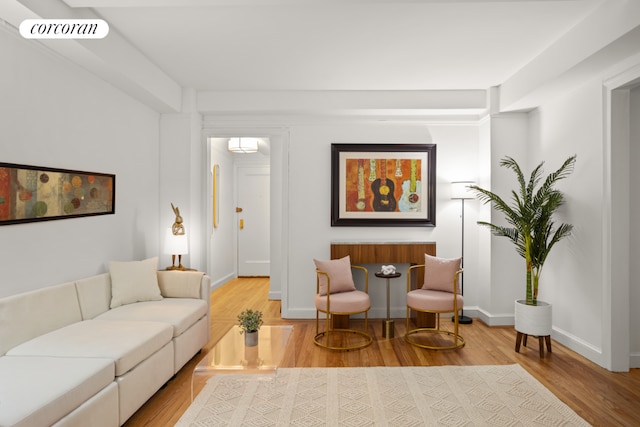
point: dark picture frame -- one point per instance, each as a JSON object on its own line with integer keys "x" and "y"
{"x": 37, "y": 193}
{"x": 383, "y": 185}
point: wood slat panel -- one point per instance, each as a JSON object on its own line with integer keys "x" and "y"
{"x": 384, "y": 253}
{"x": 387, "y": 253}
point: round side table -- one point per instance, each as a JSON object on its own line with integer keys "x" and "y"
{"x": 387, "y": 324}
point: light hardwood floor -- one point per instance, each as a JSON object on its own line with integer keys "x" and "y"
{"x": 601, "y": 397}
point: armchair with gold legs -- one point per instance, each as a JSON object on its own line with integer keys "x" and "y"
{"x": 336, "y": 295}
{"x": 439, "y": 294}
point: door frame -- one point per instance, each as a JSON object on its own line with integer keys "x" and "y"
{"x": 279, "y": 199}
{"x": 615, "y": 225}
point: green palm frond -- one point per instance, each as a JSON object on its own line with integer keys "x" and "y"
{"x": 530, "y": 216}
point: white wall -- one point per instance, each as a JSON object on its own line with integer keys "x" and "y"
{"x": 572, "y": 277}
{"x": 507, "y": 275}
{"x": 56, "y": 114}
{"x": 484, "y": 247}
{"x": 309, "y": 202}
{"x": 222, "y": 240}
{"x": 634, "y": 275}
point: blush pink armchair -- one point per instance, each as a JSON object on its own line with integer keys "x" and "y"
{"x": 336, "y": 295}
{"x": 440, "y": 293}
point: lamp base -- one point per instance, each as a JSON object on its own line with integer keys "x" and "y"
{"x": 463, "y": 320}
{"x": 173, "y": 265}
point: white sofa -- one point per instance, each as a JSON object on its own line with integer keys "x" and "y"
{"x": 70, "y": 355}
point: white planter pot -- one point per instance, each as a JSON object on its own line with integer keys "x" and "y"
{"x": 533, "y": 319}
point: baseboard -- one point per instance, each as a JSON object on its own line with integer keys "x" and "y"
{"x": 504, "y": 319}
{"x": 216, "y": 284}
{"x": 301, "y": 313}
{"x": 578, "y": 345}
{"x": 634, "y": 360}
{"x": 275, "y": 295}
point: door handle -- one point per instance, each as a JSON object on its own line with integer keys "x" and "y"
{"x": 238, "y": 210}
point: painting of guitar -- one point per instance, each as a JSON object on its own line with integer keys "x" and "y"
{"x": 361, "y": 204}
{"x": 383, "y": 185}
{"x": 383, "y": 189}
{"x": 411, "y": 190}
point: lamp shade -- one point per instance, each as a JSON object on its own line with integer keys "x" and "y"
{"x": 176, "y": 244}
{"x": 460, "y": 190}
{"x": 243, "y": 145}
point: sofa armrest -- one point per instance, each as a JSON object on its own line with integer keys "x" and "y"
{"x": 205, "y": 289}
{"x": 184, "y": 284}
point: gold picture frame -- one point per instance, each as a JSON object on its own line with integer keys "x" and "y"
{"x": 216, "y": 195}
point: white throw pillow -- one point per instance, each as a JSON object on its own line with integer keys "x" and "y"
{"x": 133, "y": 281}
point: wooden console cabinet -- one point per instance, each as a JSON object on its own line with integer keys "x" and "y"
{"x": 386, "y": 253}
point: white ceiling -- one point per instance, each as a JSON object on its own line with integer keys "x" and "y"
{"x": 331, "y": 45}
{"x": 247, "y": 56}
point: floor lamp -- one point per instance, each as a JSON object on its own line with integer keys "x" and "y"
{"x": 460, "y": 190}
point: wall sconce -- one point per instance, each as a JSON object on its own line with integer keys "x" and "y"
{"x": 243, "y": 145}
{"x": 175, "y": 242}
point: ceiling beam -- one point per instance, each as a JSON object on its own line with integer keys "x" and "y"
{"x": 606, "y": 36}
{"x": 113, "y": 59}
{"x": 189, "y": 3}
{"x": 363, "y": 103}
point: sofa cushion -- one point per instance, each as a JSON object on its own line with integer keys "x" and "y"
{"x": 134, "y": 281}
{"x": 28, "y": 315}
{"x": 94, "y": 295}
{"x": 180, "y": 284}
{"x": 39, "y": 391}
{"x": 180, "y": 313}
{"x": 127, "y": 343}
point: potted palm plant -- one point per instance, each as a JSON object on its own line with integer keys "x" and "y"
{"x": 250, "y": 322}
{"x": 533, "y": 232}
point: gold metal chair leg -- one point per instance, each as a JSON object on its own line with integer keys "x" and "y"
{"x": 325, "y": 338}
{"x": 458, "y": 341}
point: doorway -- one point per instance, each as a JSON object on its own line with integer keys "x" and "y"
{"x": 222, "y": 248}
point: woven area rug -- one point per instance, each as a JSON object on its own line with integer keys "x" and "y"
{"x": 503, "y": 395}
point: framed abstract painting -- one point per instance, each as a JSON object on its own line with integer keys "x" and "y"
{"x": 35, "y": 193}
{"x": 383, "y": 185}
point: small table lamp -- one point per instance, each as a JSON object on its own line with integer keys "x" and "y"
{"x": 460, "y": 190}
{"x": 176, "y": 244}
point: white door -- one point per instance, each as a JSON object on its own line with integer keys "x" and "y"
{"x": 253, "y": 220}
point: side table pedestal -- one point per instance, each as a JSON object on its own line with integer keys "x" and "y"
{"x": 388, "y": 328}
{"x": 387, "y": 324}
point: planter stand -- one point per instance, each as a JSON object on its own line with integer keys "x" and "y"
{"x": 547, "y": 339}
{"x": 534, "y": 320}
